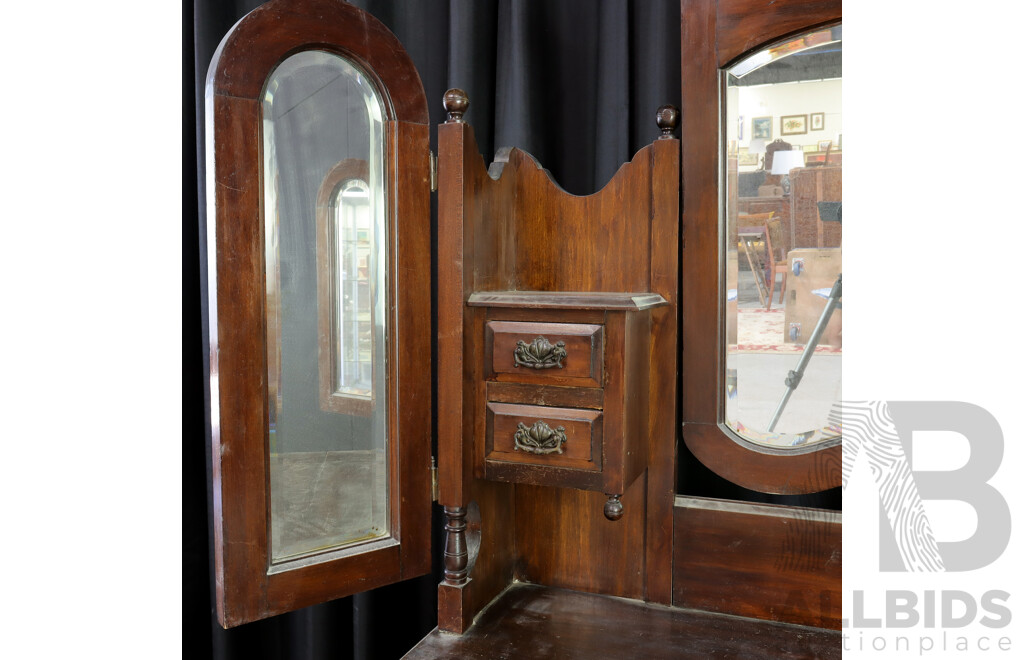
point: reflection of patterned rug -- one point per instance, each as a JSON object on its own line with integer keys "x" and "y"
{"x": 763, "y": 331}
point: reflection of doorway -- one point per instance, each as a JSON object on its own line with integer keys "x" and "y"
{"x": 346, "y": 284}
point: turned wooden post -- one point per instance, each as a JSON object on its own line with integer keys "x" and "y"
{"x": 456, "y": 556}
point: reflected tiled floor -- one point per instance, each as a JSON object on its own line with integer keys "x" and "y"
{"x": 326, "y": 498}
{"x": 760, "y": 379}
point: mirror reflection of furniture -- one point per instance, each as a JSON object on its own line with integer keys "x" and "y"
{"x": 776, "y": 262}
{"x": 750, "y": 237}
{"x": 345, "y": 258}
{"x": 808, "y": 186}
{"x": 784, "y": 162}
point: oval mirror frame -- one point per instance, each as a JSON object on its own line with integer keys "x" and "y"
{"x": 738, "y": 31}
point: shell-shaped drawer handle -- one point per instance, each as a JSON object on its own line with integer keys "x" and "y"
{"x": 540, "y": 438}
{"x": 540, "y": 354}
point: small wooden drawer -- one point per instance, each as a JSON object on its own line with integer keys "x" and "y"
{"x": 545, "y": 353}
{"x": 544, "y": 436}
{"x": 555, "y": 362}
{"x": 543, "y": 444}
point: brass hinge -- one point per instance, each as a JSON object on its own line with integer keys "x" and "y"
{"x": 433, "y": 172}
{"x": 434, "y": 494}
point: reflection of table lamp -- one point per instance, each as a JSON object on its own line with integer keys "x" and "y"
{"x": 785, "y": 161}
{"x": 757, "y": 146}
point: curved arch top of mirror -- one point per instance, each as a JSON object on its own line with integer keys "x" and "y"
{"x": 325, "y": 228}
{"x": 782, "y": 241}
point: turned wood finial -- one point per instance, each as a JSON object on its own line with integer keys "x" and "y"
{"x": 613, "y": 507}
{"x": 455, "y": 103}
{"x": 668, "y": 119}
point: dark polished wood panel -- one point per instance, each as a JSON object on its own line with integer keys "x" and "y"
{"x": 546, "y": 395}
{"x": 563, "y": 539}
{"x": 529, "y": 621}
{"x": 464, "y": 222}
{"x": 275, "y": 30}
{"x": 758, "y": 560}
{"x": 523, "y": 250}
{"x": 744, "y": 25}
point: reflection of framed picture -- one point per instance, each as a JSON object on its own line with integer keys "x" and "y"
{"x": 793, "y": 125}
{"x": 761, "y": 127}
{"x": 746, "y": 158}
{"x": 823, "y": 145}
{"x": 817, "y": 121}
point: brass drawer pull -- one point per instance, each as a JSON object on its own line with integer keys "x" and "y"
{"x": 540, "y": 438}
{"x": 539, "y": 354}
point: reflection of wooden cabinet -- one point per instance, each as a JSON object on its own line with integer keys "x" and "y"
{"x": 814, "y": 158}
{"x": 780, "y": 205}
{"x": 807, "y": 291}
{"x": 809, "y": 186}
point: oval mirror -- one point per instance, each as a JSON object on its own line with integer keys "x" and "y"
{"x": 782, "y": 234}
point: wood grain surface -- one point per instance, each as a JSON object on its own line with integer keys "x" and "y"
{"x": 530, "y": 621}
{"x": 758, "y": 560}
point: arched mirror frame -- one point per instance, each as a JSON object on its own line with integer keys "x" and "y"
{"x": 248, "y": 588}
{"x": 715, "y": 34}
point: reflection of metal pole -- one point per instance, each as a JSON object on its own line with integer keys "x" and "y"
{"x": 793, "y": 379}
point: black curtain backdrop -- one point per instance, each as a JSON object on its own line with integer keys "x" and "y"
{"x": 574, "y": 82}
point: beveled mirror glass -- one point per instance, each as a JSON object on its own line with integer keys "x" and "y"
{"x": 325, "y": 231}
{"x": 782, "y": 241}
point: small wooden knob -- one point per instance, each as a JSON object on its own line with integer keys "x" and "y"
{"x": 668, "y": 119}
{"x": 455, "y": 103}
{"x": 613, "y": 507}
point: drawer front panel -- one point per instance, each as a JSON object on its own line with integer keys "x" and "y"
{"x": 541, "y": 428}
{"x": 568, "y": 353}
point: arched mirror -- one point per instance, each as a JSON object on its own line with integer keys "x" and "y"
{"x": 323, "y": 130}
{"x": 319, "y": 308}
{"x": 782, "y": 241}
